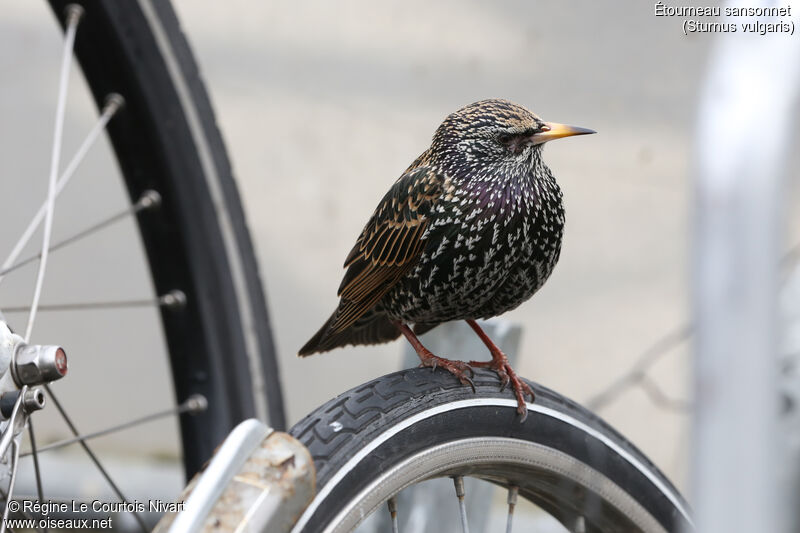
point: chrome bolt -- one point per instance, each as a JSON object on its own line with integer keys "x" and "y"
{"x": 150, "y": 198}
{"x": 33, "y": 400}
{"x": 35, "y": 364}
{"x": 73, "y": 13}
{"x": 196, "y": 403}
{"x": 114, "y": 101}
{"x": 174, "y": 298}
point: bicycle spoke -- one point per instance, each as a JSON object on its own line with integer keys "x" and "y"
{"x": 114, "y": 102}
{"x": 458, "y": 482}
{"x": 392, "y": 504}
{"x": 194, "y": 404}
{"x": 85, "y": 306}
{"x": 175, "y": 298}
{"x": 74, "y": 13}
{"x": 149, "y": 199}
{"x": 34, "y": 453}
{"x": 512, "y": 502}
{"x": 636, "y": 374}
{"x": 11, "y": 483}
{"x": 643, "y": 362}
{"x": 36, "y": 470}
{"x": 661, "y": 399}
{"x": 791, "y": 256}
{"x": 92, "y": 456}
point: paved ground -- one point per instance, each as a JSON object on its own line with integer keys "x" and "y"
{"x": 322, "y": 107}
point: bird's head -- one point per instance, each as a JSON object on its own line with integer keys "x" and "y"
{"x": 496, "y": 134}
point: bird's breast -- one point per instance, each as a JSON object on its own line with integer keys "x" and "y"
{"x": 486, "y": 252}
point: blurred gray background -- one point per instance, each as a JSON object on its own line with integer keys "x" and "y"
{"x": 323, "y": 105}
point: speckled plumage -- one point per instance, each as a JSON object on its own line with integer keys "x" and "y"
{"x": 472, "y": 229}
{"x": 495, "y": 234}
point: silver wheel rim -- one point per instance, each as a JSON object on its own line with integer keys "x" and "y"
{"x": 486, "y": 457}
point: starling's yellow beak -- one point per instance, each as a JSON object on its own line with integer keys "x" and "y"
{"x": 554, "y": 130}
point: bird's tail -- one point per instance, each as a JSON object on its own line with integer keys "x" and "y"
{"x": 373, "y": 327}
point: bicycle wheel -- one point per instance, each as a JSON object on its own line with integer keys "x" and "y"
{"x": 373, "y": 441}
{"x": 165, "y": 139}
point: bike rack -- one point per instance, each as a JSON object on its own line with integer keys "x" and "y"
{"x": 746, "y": 118}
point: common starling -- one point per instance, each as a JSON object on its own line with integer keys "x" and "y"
{"x": 470, "y": 230}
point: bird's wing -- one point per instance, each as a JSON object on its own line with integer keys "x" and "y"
{"x": 389, "y": 246}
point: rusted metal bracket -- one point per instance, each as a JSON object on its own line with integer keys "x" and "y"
{"x": 259, "y": 480}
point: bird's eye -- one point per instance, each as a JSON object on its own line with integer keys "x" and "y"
{"x": 505, "y": 138}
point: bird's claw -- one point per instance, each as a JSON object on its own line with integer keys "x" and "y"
{"x": 458, "y": 368}
{"x": 500, "y": 365}
{"x": 468, "y": 381}
{"x": 504, "y": 380}
{"x": 521, "y": 389}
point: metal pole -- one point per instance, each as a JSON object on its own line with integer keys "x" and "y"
{"x": 746, "y": 116}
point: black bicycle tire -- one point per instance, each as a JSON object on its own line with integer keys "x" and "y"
{"x": 166, "y": 138}
{"x": 337, "y": 431}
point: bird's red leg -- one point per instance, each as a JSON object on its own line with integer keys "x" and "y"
{"x": 500, "y": 364}
{"x": 458, "y": 368}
